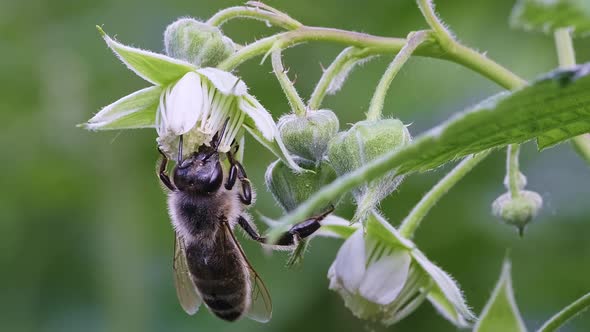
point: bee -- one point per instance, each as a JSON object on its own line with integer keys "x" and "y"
{"x": 210, "y": 266}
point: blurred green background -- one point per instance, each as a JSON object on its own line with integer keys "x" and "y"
{"x": 85, "y": 239}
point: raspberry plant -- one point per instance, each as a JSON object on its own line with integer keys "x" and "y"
{"x": 379, "y": 272}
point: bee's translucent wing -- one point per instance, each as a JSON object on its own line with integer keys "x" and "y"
{"x": 260, "y": 305}
{"x": 187, "y": 293}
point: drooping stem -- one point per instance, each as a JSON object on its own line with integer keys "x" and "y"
{"x": 412, "y": 221}
{"x": 343, "y": 62}
{"x": 567, "y": 59}
{"x": 230, "y": 13}
{"x": 295, "y": 101}
{"x": 378, "y": 100}
{"x": 566, "y": 314}
{"x": 512, "y": 169}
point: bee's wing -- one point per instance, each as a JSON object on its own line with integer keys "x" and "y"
{"x": 187, "y": 293}
{"x": 261, "y": 305}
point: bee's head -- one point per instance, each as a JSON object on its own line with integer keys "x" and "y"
{"x": 201, "y": 173}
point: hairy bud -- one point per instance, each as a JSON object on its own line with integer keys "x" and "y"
{"x": 364, "y": 142}
{"x": 517, "y": 211}
{"x": 290, "y": 189}
{"x": 307, "y": 137}
{"x": 196, "y": 42}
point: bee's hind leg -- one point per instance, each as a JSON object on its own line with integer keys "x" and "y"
{"x": 292, "y": 236}
{"x": 236, "y": 170}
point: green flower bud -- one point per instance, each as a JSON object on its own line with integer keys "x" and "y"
{"x": 517, "y": 211}
{"x": 364, "y": 142}
{"x": 196, "y": 42}
{"x": 290, "y": 189}
{"x": 307, "y": 137}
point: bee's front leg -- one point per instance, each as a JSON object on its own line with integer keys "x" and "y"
{"x": 292, "y": 236}
{"x": 236, "y": 170}
{"x": 162, "y": 172}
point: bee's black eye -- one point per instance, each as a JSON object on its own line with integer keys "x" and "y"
{"x": 213, "y": 181}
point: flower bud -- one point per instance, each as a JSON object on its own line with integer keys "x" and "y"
{"x": 307, "y": 137}
{"x": 364, "y": 142}
{"x": 517, "y": 211}
{"x": 196, "y": 42}
{"x": 290, "y": 189}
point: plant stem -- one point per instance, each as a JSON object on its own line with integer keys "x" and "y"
{"x": 512, "y": 169}
{"x": 565, "y": 48}
{"x": 567, "y": 59}
{"x": 566, "y": 314}
{"x": 378, "y": 100}
{"x": 343, "y": 62}
{"x": 295, "y": 101}
{"x": 412, "y": 221}
{"x": 227, "y": 14}
{"x": 443, "y": 35}
{"x": 378, "y": 44}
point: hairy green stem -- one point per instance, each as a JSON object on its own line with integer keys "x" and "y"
{"x": 567, "y": 59}
{"x": 378, "y": 100}
{"x": 566, "y": 314}
{"x": 443, "y": 35}
{"x": 295, "y": 101}
{"x": 230, "y": 13}
{"x": 412, "y": 221}
{"x": 343, "y": 62}
{"x": 512, "y": 170}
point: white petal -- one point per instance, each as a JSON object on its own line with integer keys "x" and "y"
{"x": 334, "y": 226}
{"x": 385, "y": 278}
{"x": 224, "y": 81}
{"x": 259, "y": 115}
{"x": 184, "y": 104}
{"x": 446, "y": 295}
{"x": 348, "y": 268}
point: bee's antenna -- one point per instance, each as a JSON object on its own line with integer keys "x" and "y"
{"x": 179, "y": 161}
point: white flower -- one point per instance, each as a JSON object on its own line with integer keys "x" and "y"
{"x": 383, "y": 277}
{"x": 189, "y": 101}
{"x": 200, "y": 103}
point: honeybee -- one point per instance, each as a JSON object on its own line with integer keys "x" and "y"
{"x": 210, "y": 266}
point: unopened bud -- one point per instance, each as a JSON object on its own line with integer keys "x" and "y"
{"x": 517, "y": 211}
{"x": 196, "y": 42}
{"x": 364, "y": 142}
{"x": 290, "y": 189}
{"x": 307, "y": 137}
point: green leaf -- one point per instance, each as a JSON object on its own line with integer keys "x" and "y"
{"x": 548, "y": 16}
{"x": 552, "y": 109}
{"x": 137, "y": 110}
{"x": 501, "y": 312}
{"x": 155, "y": 68}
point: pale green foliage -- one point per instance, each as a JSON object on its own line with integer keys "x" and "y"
{"x": 501, "y": 312}
{"x": 550, "y": 15}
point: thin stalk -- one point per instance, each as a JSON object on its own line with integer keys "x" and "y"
{"x": 230, "y": 13}
{"x": 565, "y": 48}
{"x": 378, "y": 100}
{"x": 342, "y": 63}
{"x": 566, "y": 314}
{"x": 567, "y": 59}
{"x": 414, "y": 218}
{"x": 512, "y": 169}
{"x": 443, "y": 35}
{"x": 295, "y": 101}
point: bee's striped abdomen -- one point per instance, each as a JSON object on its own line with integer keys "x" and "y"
{"x": 221, "y": 278}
